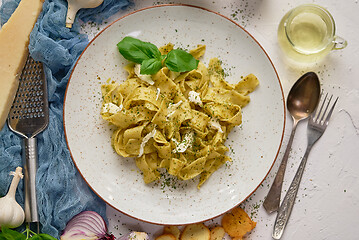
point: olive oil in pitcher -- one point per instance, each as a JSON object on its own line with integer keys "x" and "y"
{"x": 307, "y": 33}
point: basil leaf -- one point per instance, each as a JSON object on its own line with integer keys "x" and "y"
{"x": 42, "y": 236}
{"x": 180, "y": 61}
{"x": 8, "y": 234}
{"x": 35, "y": 237}
{"x": 136, "y": 50}
{"x": 151, "y": 66}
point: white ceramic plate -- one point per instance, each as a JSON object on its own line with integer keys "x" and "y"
{"x": 254, "y": 146}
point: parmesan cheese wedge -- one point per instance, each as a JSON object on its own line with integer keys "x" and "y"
{"x": 14, "y": 41}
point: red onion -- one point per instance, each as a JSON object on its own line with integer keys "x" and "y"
{"x": 87, "y": 225}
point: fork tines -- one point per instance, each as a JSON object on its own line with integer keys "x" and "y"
{"x": 316, "y": 116}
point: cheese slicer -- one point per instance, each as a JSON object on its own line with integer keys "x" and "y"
{"x": 29, "y": 115}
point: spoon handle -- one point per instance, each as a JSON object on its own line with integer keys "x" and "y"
{"x": 271, "y": 203}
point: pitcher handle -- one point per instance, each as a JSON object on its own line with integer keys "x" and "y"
{"x": 339, "y": 43}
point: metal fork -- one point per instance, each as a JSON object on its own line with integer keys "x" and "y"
{"x": 317, "y": 124}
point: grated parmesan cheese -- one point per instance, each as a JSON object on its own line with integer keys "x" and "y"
{"x": 111, "y": 108}
{"x": 158, "y": 91}
{"x": 145, "y": 140}
{"x": 195, "y": 98}
{"x": 184, "y": 144}
{"x": 144, "y": 77}
{"x": 172, "y": 108}
{"x": 214, "y": 123}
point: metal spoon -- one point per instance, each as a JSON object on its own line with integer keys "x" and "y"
{"x": 301, "y": 102}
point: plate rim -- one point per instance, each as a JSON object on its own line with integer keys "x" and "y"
{"x": 175, "y": 5}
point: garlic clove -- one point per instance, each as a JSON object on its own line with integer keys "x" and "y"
{"x": 11, "y": 213}
{"x": 71, "y": 14}
{"x": 75, "y": 5}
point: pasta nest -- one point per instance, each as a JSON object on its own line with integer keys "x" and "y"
{"x": 176, "y": 121}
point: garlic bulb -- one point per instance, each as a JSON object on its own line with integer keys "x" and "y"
{"x": 11, "y": 213}
{"x": 136, "y": 236}
{"x": 75, "y": 5}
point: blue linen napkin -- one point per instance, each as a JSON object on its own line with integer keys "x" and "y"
{"x": 62, "y": 192}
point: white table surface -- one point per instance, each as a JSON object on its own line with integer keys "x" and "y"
{"x": 327, "y": 205}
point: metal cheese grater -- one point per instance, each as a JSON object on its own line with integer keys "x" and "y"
{"x": 29, "y": 115}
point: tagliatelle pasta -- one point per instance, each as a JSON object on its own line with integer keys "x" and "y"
{"x": 176, "y": 121}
